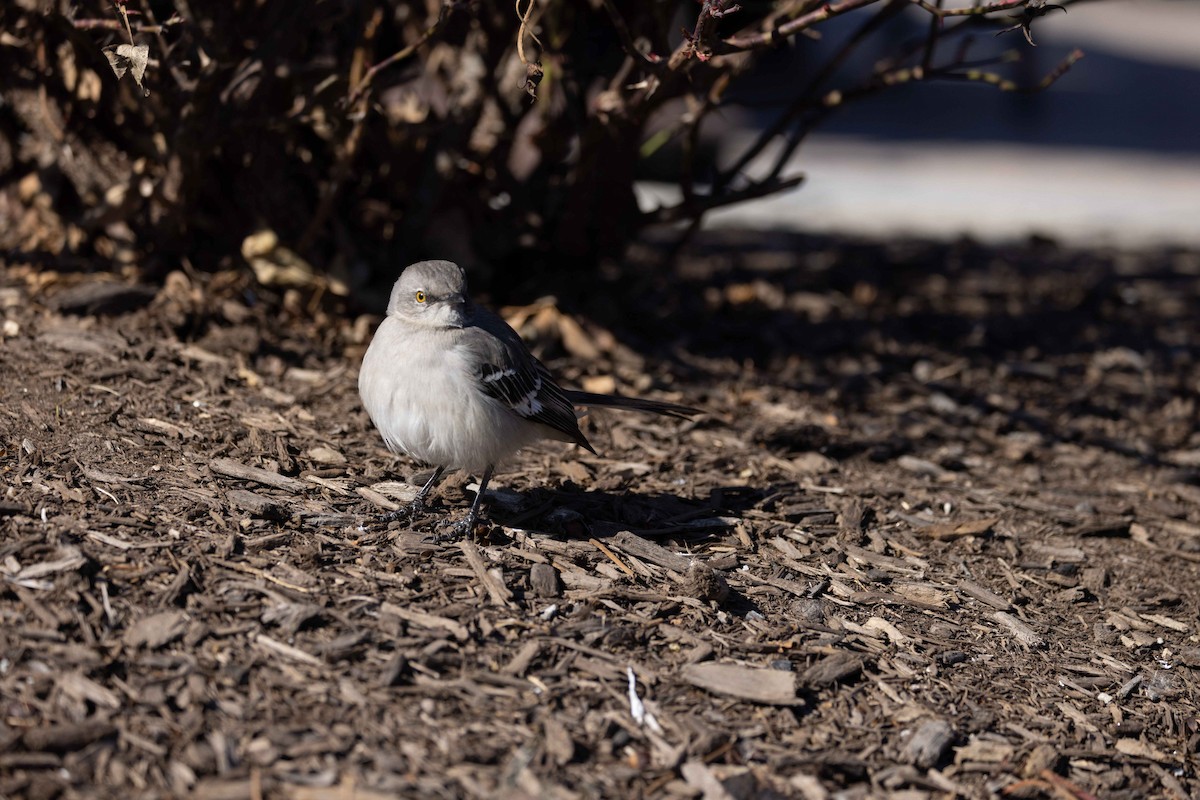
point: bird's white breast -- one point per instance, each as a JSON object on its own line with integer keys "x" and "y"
{"x": 422, "y": 393}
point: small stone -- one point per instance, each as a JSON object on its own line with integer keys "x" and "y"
{"x": 543, "y": 578}
{"x": 929, "y": 744}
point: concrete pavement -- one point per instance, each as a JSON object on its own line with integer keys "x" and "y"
{"x": 1109, "y": 155}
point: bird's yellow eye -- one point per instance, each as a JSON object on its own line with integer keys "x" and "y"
{"x": 420, "y": 297}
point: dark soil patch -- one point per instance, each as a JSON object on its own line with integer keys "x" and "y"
{"x": 951, "y": 496}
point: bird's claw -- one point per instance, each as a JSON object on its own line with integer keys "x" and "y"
{"x": 457, "y": 531}
{"x": 451, "y": 532}
{"x": 409, "y": 511}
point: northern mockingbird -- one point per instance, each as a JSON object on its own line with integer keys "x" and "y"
{"x": 452, "y": 384}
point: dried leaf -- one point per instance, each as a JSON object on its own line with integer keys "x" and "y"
{"x": 130, "y": 58}
{"x": 274, "y": 264}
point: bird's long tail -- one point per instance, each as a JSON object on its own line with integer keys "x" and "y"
{"x": 631, "y": 403}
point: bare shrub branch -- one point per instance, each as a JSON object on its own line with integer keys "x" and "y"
{"x": 279, "y": 115}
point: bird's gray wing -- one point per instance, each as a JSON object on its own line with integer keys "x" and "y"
{"x": 508, "y": 372}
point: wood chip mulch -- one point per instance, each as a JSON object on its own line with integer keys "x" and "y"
{"x": 936, "y": 535}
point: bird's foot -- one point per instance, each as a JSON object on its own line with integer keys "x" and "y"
{"x": 409, "y": 511}
{"x": 457, "y": 531}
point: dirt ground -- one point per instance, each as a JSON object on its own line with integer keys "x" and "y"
{"x": 937, "y": 534}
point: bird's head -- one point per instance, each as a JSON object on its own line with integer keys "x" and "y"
{"x": 431, "y": 293}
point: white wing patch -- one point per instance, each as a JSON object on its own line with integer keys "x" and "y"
{"x": 529, "y": 405}
{"x": 513, "y": 377}
{"x": 500, "y": 375}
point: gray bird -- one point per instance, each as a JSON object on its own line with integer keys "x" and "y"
{"x": 452, "y": 385}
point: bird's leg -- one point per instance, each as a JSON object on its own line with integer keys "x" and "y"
{"x": 417, "y": 505}
{"x": 467, "y": 526}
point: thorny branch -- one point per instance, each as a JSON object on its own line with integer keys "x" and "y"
{"x": 792, "y": 27}
{"x": 816, "y": 101}
{"x": 983, "y": 9}
{"x": 805, "y": 98}
{"x": 1035, "y": 9}
{"x": 935, "y": 24}
{"x": 459, "y": 148}
{"x": 691, "y": 141}
{"x": 700, "y": 204}
{"x": 697, "y": 42}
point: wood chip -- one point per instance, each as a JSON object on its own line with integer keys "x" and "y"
{"x": 81, "y": 687}
{"x": 432, "y": 621}
{"x": 891, "y": 598}
{"x": 922, "y": 467}
{"x": 67, "y": 737}
{"x": 987, "y": 751}
{"x": 922, "y": 595}
{"x": 9, "y": 508}
{"x": 887, "y": 629}
{"x": 958, "y": 530}
{"x": 811, "y": 464}
{"x": 101, "y": 297}
{"x": 347, "y": 790}
{"x": 559, "y": 744}
{"x": 1024, "y": 634}
{"x": 649, "y": 551}
{"x": 161, "y": 426}
{"x": 287, "y": 651}
{"x": 699, "y": 580}
{"x": 258, "y": 505}
{"x": 157, "y": 630}
{"x": 524, "y": 657}
{"x": 835, "y": 668}
{"x": 1166, "y": 622}
{"x": 985, "y": 596}
{"x": 44, "y": 614}
{"x": 492, "y": 580}
{"x": 88, "y": 343}
{"x": 897, "y": 565}
{"x": 376, "y": 499}
{"x": 100, "y": 476}
{"x": 325, "y": 455}
{"x": 1136, "y": 747}
{"x": 233, "y": 469}
{"x": 700, "y": 778}
{"x": 67, "y": 559}
{"x": 755, "y": 684}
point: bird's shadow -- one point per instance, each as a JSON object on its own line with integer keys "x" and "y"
{"x": 574, "y": 512}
